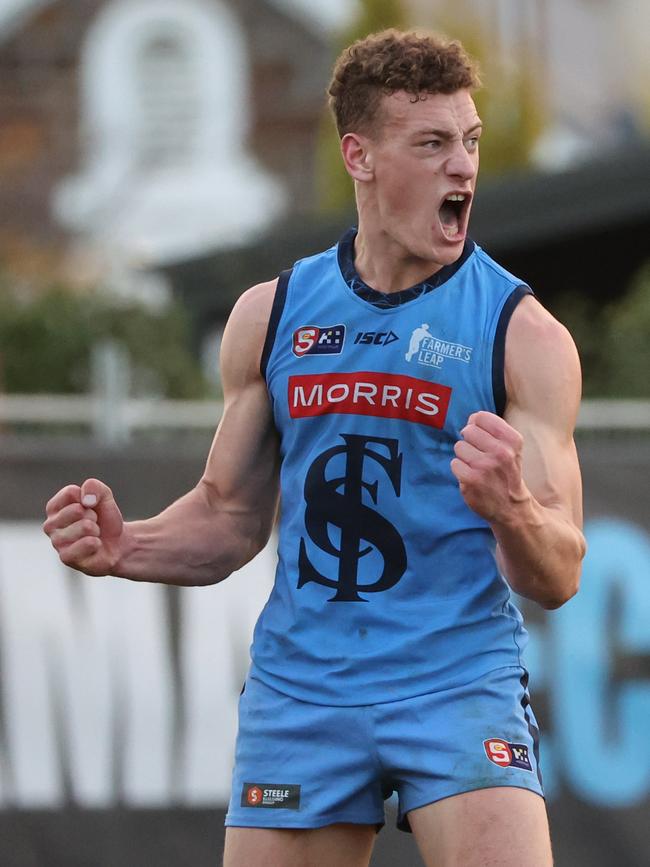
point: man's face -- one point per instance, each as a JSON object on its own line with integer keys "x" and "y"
{"x": 425, "y": 161}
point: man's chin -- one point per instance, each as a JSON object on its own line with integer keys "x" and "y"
{"x": 448, "y": 252}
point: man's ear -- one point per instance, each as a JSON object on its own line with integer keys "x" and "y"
{"x": 357, "y": 156}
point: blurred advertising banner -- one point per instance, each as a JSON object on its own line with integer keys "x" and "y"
{"x": 118, "y": 701}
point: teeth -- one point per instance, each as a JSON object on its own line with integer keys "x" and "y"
{"x": 455, "y": 197}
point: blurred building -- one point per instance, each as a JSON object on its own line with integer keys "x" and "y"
{"x": 133, "y": 132}
{"x": 148, "y": 144}
{"x": 581, "y": 185}
{"x": 590, "y": 61}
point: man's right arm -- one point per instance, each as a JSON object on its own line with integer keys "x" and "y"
{"x": 226, "y": 519}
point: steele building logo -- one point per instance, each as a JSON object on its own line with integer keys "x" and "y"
{"x": 432, "y": 351}
{"x": 273, "y": 795}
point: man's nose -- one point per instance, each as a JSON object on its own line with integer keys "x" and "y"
{"x": 461, "y": 163}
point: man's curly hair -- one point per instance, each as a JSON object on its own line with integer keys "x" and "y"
{"x": 392, "y": 60}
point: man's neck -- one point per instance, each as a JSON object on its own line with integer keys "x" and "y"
{"x": 384, "y": 264}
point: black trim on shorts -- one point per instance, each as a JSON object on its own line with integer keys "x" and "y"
{"x": 499, "y": 348}
{"x": 274, "y": 319}
{"x": 532, "y": 728}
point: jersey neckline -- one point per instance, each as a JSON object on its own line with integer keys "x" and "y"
{"x": 384, "y": 300}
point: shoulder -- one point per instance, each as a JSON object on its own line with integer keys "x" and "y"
{"x": 249, "y": 318}
{"x": 532, "y": 323}
{"x": 253, "y": 307}
{"x": 246, "y": 329}
{"x": 542, "y": 367}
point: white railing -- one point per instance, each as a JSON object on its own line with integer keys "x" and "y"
{"x": 134, "y": 413}
{"x": 609, "y": 414}
{"x": 111, "y": 416}
{"x": 114, "y": 421}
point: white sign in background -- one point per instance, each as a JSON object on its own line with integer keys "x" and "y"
{"x": 113, "y": 692}
{"x": 118, "y": 692}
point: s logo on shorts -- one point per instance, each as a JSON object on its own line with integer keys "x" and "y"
{"x": 506, "y": 755}
{"x": 253, "y": 795}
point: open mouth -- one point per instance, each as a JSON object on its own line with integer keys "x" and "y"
{"x": 453, "y": 215}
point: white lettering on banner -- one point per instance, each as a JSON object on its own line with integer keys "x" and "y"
{"x": 144, "y": 693}
{"x": 31, "y": 606}
{"x": 216, "y": 631}
{"x": 87, "y": 675}
{"x": 88, "y": 686}
{"x": 109, "y": 695}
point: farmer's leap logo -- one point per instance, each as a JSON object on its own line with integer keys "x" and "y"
{"x": 432, "y": 351}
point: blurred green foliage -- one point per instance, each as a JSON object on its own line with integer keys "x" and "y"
{"x": 46, "y": 343}
{"x": 512, "y": 110}
{"x": 510, "y": 103}
{"x": 335, "y": 188}
{"x": 628, "y": 341}
{"x": 584, "y": 319}
{"x": 613, "y": 341}
{"x": 375, "y": 15}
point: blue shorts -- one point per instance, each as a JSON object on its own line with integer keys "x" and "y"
{"x": 303, "y": 765}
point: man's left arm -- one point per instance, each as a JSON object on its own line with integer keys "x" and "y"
{"x": 521, "y": 472}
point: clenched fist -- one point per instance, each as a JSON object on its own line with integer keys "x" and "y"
{"x": 86, "y": 527}
{"x": 488, "y": 467}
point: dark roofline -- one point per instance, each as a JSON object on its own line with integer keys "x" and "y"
{"x": 535, "y": 208}
{"x": 516, "y": 217}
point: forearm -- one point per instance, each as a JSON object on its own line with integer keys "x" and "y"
{"x": 195, "y": 541}
{"x": 540, "y": 552}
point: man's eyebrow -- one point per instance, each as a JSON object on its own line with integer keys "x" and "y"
{"x": 447, "y": 134}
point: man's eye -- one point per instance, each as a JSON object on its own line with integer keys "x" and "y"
{"x": 471, "y": 143}
{"x": 433, "y": 143}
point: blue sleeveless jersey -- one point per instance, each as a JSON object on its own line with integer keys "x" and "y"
{"x": 387, "y": 585}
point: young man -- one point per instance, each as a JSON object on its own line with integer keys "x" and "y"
{"x": 417, "y": 404}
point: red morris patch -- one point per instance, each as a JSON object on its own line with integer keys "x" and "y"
{"x": 383, "y": 395}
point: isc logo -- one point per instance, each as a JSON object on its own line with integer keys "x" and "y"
{"x": 376, "y": 338}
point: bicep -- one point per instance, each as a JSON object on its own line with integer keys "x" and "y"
{"x": 549, "y": 465}
{"x": 242, "y": 467}
{"x": 543, "y": 396}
